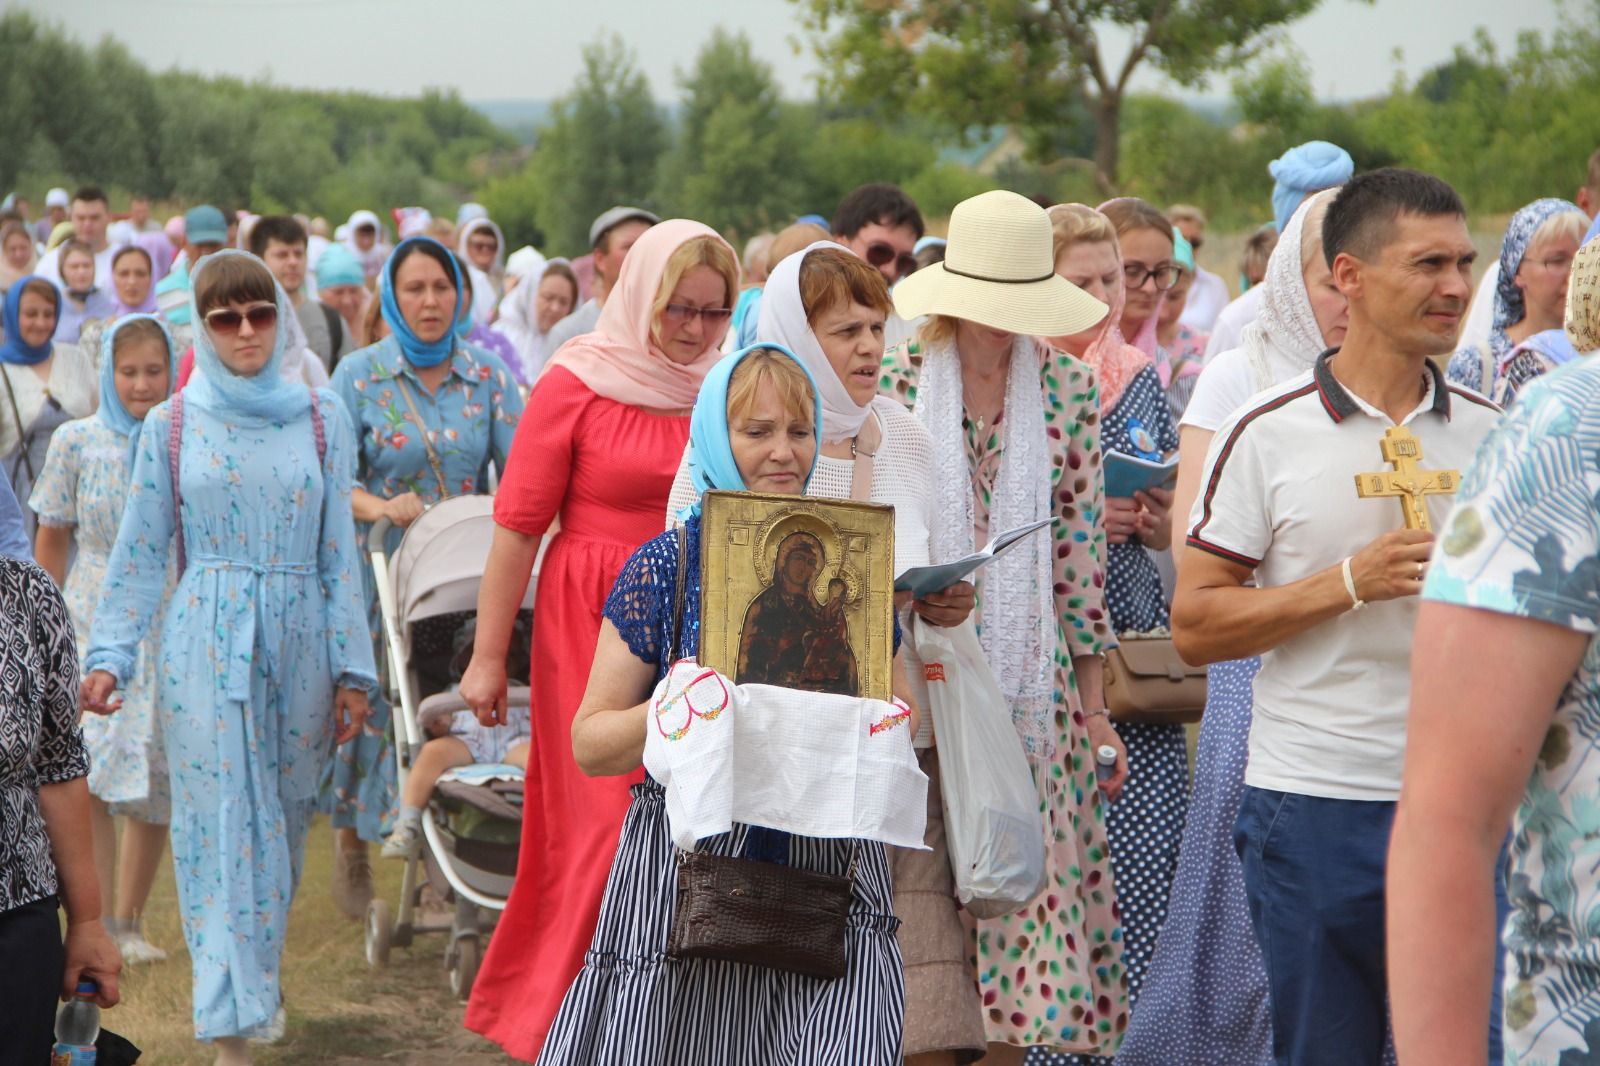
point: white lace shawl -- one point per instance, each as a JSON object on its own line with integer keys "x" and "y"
{"x": 1019, "y": 628}
{"x": 1284, "y": 339}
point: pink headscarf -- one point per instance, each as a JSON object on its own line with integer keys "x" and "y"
{"x": 620, "y": 359}
{"x": 1113, "y": 360}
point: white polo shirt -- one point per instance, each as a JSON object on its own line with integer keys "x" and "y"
{"x": 1279, "y": 496}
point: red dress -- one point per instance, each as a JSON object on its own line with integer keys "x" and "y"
{"x": 606, "y": 469}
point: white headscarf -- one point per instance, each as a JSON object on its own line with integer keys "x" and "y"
{"x": 783, "y": 321}
{"x": 1284, "y": 340}
{"x": 519, "y": 320}
{"x": 1019, "y": 620}
{"x": 485, "y": 283}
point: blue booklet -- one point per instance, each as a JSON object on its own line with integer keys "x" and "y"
{"x": 1127, "y": 474}
{"x": 922, "y": 580}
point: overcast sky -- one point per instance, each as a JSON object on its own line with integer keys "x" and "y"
{"x": 502, "y": 49}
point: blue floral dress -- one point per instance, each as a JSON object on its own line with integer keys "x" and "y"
{"x": 83, "y": 487}
{"x": 470, "y": 421}
{"x": 265, "y": 621}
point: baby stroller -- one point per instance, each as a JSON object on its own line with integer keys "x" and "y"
{"x": 472, "y": 826}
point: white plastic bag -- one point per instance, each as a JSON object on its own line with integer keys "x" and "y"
{"x": 991, "y": 804}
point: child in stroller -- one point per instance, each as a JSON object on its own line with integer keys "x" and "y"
{"x": 459, "y": 740}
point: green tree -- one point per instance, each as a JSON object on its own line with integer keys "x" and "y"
{"x": 601, "y": 147}
{"x": 1029, "y": 62}
{"x": 727, "y": 165}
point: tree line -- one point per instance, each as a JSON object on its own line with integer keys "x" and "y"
{"x": 894, "y": 105}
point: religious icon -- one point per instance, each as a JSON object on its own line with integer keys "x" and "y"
{"x": 1407, "y": 482}
{"x": 798, "y": 592}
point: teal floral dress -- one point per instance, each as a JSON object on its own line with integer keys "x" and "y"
{"x": 265, "y": 622}
{"x": 1522, "y": 540}
{"x": 469, "y": 422}
{"x": 1052, "y": 975}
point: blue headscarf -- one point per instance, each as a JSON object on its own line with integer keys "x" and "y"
{"x": 711, "y": 462}
{"x": 1182, "y": 251}
{"x": 265, "y": 394}
{"x": 111, "y": 412}
{"x": 418, "y": 352}
{"x": 1299, "y": 172}
{"x": 1556, "y": 345}
{"x": 15, "y": 351}
{"x": 1509, "y": 308}
{"x": 339, "y": 266}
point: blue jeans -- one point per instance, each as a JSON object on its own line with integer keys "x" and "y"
{"x": 1314, "y": 874}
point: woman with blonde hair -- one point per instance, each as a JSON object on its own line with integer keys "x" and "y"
{"x": 1015, "y": 431}
{"x": 596, "y": 449}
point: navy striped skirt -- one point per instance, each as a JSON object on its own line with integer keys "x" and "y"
{"x": 631, "y": 1005}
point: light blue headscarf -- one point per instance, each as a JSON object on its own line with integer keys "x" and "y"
{"x": 15, "y": 350}
{"x": 1182, "y": 251}
{"x": 339, "y": 266}
{"x": 1299, "y": 172}
{"x": 418, "y": 352}
{"x": 265, "y": 394}
{"x": 711, "y": 462}
{"x": 111, "y": 411}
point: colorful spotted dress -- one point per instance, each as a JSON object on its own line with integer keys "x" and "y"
{"x": 1052, "y": 975}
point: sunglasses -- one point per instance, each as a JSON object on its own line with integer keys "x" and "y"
{"x": 681, "y": 314}
{"x": 225, "y": 321}
{"x": 881, "y": 254}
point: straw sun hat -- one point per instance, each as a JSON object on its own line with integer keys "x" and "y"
{"x": 999, "y": 270}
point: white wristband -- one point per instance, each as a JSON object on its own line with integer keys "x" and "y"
{"x": 1356, "y": 602}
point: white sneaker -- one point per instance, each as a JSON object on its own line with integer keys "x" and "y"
{"x": 136, "y": 950}
{"x": 272, "y": 1032}
{"x": 403, "y": 840}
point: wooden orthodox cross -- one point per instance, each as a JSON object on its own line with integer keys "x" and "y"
{"x": 1407, "y": 482}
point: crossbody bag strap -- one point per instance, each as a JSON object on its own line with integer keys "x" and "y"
{"x": 23, "y": 440}
{"x": 675, "y": 649}
{"x": 422, "y": 430}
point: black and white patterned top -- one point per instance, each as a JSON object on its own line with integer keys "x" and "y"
{"x": 40, "y": 743}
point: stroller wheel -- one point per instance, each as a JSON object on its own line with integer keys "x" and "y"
{"x": 464, "y": 966}
{"x": 380, "y": 933}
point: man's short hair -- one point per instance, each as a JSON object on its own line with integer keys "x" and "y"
{"x": 885, "y": 204}
{"x": 1361, "y": 218}
{"x": 1186, "y": 213}
{"x": 285, "y": 229}
{"x": 89, "y": 194}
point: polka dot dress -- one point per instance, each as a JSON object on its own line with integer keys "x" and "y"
{"x": 1145, "y": 826}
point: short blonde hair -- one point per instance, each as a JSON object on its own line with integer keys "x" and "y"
{"x": 1076, "y": 224}
{"x": 1569, "y": 225}
{"x": 770, "y": 364}
{"x": 1186, "y": 213}
{"x": 792, "y": 239}
{"x": 704, "y": 250}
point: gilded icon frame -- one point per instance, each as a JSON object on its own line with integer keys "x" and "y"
{"x": 827, "y": 629}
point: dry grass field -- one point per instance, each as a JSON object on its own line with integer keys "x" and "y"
{"x": 340, "y": 1012}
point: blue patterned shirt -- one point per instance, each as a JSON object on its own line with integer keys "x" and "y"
{"x": 1524, "y": 540}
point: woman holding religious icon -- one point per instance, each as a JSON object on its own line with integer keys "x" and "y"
{"x": 828, "y": 306}
{"x": 754, "y": 429}
{"x": 604, "y": 427}
{"x": 1016, "y": 438}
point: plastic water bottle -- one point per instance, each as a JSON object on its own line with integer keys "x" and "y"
{"x": 1105, "y": 762}
{"x": 77, "y": 1027}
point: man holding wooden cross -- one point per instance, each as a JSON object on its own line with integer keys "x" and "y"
{"x": 1314, "y": 526}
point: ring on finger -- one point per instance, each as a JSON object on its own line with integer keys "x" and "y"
{"x": 1421, "y": 568}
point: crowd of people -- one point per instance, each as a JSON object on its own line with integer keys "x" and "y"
{"x": 1378, "y": 850}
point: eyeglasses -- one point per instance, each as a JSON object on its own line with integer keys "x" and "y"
{"x": 1165, "y": 275}
{"x": 487, "y": 244}
{"x": 1196, "y": 243}
{"x": 682, "y": 314}
{"x": 1556, "y": 264}
{"x": 880, "y": 254}
{"x": 225, "y": 321}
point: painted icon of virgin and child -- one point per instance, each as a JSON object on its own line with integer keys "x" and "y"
{"x": 791, "y": 639}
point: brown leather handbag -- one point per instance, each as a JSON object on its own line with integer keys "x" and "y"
{"x": 752, "y": 912}
{"x": 1148, "y": 684}
{"x": 760, "y": 914}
